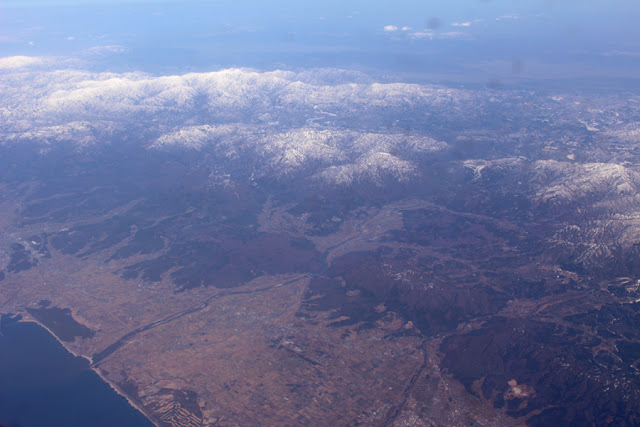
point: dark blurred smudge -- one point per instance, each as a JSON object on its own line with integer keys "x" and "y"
{"x": 517, "y": 66}
{"x": 434, "y": 23}
{"x": 494, "y": 84}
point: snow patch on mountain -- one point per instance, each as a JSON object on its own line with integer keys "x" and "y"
{"x": 570, "y": 182}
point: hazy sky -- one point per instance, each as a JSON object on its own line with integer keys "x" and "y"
{"x": 484, "y": 38}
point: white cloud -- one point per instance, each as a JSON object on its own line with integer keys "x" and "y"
{"x": 461, "y": 24}
{"x": 628, "y": 53}
{"x": 422, "y": 35}
{"x": 432, "y": 35}
{"x": 454, "y": 35}
{"x": 107, "y": 50}
{"x": 19, "y": 61}
{"x": 503, "y": 17}
{"x": 390, "y": 28}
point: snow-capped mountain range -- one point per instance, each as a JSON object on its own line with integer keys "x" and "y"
{"x": 332, "y": 125}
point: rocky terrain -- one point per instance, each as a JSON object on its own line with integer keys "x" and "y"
{"x": 317, "y": 248}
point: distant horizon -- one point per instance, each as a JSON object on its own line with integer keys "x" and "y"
{"x": 464, "y": 40}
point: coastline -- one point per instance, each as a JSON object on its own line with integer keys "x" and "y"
{"x": 26, "y": 317}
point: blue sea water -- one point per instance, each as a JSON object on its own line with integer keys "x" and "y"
{"x": 42, "y": 384}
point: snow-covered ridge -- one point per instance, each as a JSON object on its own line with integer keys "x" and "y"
{"x": 290, "y": 121}
{"x": 50, "y": 97}
{"x": 336, "y": 156}
{"x": 329, "y": 124}
{"x": 563, "y": 182}
{"x": 570, "y": 182}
